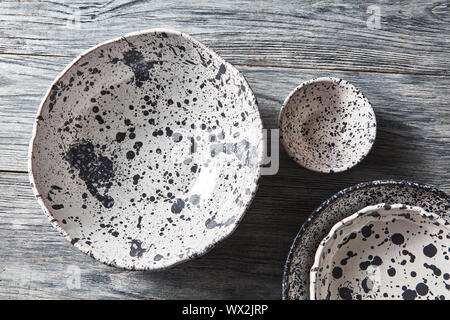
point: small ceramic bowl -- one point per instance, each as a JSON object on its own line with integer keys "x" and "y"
{"x": 327, "y": 125}
{"x": 383, "y": 252}
{"x": 147, "y": 150}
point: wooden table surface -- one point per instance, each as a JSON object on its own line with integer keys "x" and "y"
{"x": 402, "y": 65}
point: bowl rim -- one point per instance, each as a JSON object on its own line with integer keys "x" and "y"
{"x": 285, "y": 285}
{"x": 342, "y": 223}
{"x": 55, "y": 223}
{"x": 337, "y": 81}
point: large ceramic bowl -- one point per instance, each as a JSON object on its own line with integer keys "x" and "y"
{"x": 384, "y": 252}
{"x": 146, "y": 150}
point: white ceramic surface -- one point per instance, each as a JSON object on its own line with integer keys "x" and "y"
{"x": 147, "y": 150}
{"x": 327, "y": 125}
{"x": 384, "y": 252}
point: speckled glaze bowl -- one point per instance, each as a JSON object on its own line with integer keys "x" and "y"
{"x": 327, "y": 125}
{"x": 146, "y": 150}
{"x": 295, "y": 284}
{"x": 384, "y": 252}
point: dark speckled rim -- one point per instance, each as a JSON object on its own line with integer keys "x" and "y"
{"x": 48, "y": 213}
{"x": 319, "y": 210}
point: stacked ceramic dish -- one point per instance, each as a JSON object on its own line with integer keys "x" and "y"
{"x": 352, "y": 249}
{"x": 383, "y": 252}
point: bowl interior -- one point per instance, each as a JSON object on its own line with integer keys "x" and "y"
{"x": 147, "y": 150}
{"x": 327, "y": 125}
{"x": 383, "y": 252}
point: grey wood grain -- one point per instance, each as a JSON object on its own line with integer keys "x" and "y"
{"x": 35, "y": 259}
{"x": 412, "y": 110}
{"x": 36, "y": 262}
{"x": 412, "y": 143}
{"x": 402, "y": 68}
{"x": 300, "y": 34}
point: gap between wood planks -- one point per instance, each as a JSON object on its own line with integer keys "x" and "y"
{"x": 13, "y": 171}
{"x": 266, "y": 65}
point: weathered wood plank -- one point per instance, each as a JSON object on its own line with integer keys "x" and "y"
{"x": 277, "y": 45}
{"x": 36, "y": 261}
{"x": 412, "y": 143}
{"x": 412, "y": 36}
{"x": 24, "y": 81}
{"x": 412, "y": 112}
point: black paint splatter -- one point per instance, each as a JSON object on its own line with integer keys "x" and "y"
{"x": 222, "y": 70}
{"x": 430, "y": 250}
{"x": 391, "y": 272}
{"x": 136, "y": 61}
{"x": 436, "y": 270}
{"x": 409, "y": 294}
{"x": 95, "y": 170}
{"x": 177, "y": 206}
{"x": 345, "y": 293}
{"x": 367, "y": 285}
{"x": 397, "y": 238}
{"x": 136, "y": 249}
{"x": 120, "y": 136}
{"x": 422, "y": 289}
{"x": 337, "y": 272}
{"x": 366, "y": 231}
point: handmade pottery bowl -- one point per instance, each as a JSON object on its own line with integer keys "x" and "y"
{"x": 383, "y": 252}
{"x": 147, "y": 150}
{"x": 327, "y": 125}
